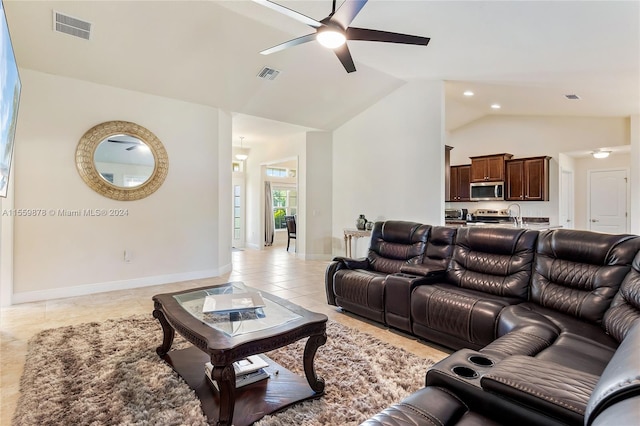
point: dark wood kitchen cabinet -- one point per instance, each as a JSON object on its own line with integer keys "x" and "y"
{"x": 488, "y": 168}
{"x": 527, "y": 179}
{"x": 459, "y": 183}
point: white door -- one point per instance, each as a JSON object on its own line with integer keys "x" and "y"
{"x": 608, "y": 201}
{"x": 566, "y": 199}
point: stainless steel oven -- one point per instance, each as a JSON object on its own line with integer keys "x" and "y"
{"x": 487, "y": 191}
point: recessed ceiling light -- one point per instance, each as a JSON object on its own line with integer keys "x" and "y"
{"x": 468, "y": 93}
{"x": 495, "y": 106}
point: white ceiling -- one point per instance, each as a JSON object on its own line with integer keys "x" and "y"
{"x": 524, "y": 55}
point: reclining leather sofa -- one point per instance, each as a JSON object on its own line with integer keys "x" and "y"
{"x": 358, "y": 285}
{"x": 538, "y": 319}
{"x": 613, "y": 400}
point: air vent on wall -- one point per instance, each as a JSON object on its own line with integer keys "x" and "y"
{"x": 66, "y": 24}
{"x": 572, "y": 97}
{"x": 268, "y": 73}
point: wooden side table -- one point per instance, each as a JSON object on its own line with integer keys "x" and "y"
{"x": 349, "y": 234}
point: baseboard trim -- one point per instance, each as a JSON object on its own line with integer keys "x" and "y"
{"x": 88, "y": 289}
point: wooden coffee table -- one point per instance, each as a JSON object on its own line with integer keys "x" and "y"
{"x": 223, "y": 338}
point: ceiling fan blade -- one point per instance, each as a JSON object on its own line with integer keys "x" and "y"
{"x": 385, "y": 36}
{"x": 347, "y": 12}
{"x": 131, "y": 148}
{"x": 129, "y": 142}
{"x": 290, "y": 13}
{"x": 290, "y": 43}
{"x": 344, "y": 55}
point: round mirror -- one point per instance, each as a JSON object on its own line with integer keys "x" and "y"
{"x": 122, "y": 160}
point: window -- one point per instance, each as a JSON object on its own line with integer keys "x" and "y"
{"x": 276, "y": 172}
{"x": 237, "y": 218}
{"x": 285, "y": 202}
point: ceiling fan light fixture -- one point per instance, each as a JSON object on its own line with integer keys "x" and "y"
{"x": 331, "y": 38}
{"x": 600, "y": 154}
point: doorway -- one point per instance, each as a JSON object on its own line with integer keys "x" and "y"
{"x": 566, "y": 199}
{"x": 608, "y": 201}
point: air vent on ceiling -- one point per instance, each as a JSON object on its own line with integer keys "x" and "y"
{"x": 268, "y": 73}
{"x": 572, "y": 97}
{"x": 66, "y": 24}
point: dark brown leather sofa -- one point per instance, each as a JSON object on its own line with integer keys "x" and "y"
{"x": 446, "y": 400}
{"x": 358, "y": 285}
{"x": 490, "y": 269}
{"x": 540, "y": 317}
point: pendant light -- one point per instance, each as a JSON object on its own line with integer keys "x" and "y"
{"x": 242, "y": 156}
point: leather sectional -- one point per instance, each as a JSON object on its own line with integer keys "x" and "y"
{"x": 545, "y": 324}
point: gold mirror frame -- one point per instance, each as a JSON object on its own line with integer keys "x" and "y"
{"x": 87, "y": 168}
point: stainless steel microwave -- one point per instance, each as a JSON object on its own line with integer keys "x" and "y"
{"x": 487, "y": 191}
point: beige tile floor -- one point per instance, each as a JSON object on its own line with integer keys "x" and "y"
{"x": 274, "y": 270}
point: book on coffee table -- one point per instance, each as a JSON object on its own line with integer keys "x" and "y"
{"x": 232, "y": 302}
{"x": 241, "y": 380}
{"x": 249, "y": 365}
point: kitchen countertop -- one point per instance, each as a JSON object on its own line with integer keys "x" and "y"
{"x": 536, "y": 223}
{"x": 539, "y": 226}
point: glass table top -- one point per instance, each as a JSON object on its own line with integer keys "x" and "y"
{"x": 239, "y": 317}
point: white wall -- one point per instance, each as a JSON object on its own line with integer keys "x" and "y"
{"x": 388, "y": 162}
{"x": 225, "y": 192}
{"x": 635, "y": 173}
{"x": 525, "y": 136}
{"x": 172, "y": 235}
{"x": 318, "y": 199}
{"x": 6, "y": 245}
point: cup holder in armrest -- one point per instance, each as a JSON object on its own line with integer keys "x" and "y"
{"x": 481, "y": 360}
{"x": 466, "y": 372}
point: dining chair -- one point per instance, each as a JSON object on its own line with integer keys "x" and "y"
{"x": 291, "y": 229}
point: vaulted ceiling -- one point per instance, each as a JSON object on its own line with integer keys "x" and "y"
{"x": 524, "y": 55}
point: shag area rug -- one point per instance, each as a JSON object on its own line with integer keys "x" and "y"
{"x": 109, "y": 374}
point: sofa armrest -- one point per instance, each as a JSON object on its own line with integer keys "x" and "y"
{"x": 556, "y": 390}
{"x": 422, "y": 270}
{"x": 397, "y": 305}
{"x": 334, "y": 266}
{"x": 525, "y": 340}
{"x": 620, "y": 380}
{"x": 362, "y": 263}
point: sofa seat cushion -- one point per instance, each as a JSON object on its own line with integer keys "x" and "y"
{"x": 563, "y": 339}
{"x": 581, "y": 353}
{"x": 465, "y": 314}
{"x": 360, "y": 291}
{"x": 430, "y": 406}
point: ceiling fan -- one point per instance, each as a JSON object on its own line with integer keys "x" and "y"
{"x": 334, "y": 30}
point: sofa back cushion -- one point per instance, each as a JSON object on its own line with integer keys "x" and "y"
{"x": 439, "y": 248}
{"x": 493, "y": 260}
{"x": 625, "y": 308}
{"x": 579, "y": 272}
{"x": 395, "y": 243}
